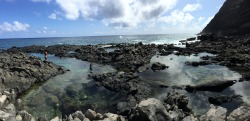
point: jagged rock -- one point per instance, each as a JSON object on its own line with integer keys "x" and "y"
{"x": 112, "y": 117}
{"x": 90, "y": 114}
{"x": 215, "y": 113}
{"x": 26, "y": 116}
{"x": 19, "y": 118}
{"x": 190, "y": 118}
{"x": 214, "y": 86}
{"x": 86, "y": 119}
{"x": 79, "y": 115}
{"x": 3, "y": 100}
{"x": 99, "y": 116}
{"x": 177, "y": 99}
{"x": 19, "y": 72}
{"x": 8, "y": 113}
{"x": 42, "y": 119}
{"x": 158, "y": 66}
{"x": 19, "y": 104}
{"x": 128, "y": 85}
{"x": 218, "y": 100}
{"x": 151, "y": 110}
{"x": 56, "y": 119}
{"x": 240, "y": 114}
{"x": 176, "y": 114}
{"x": 5, "y": 116}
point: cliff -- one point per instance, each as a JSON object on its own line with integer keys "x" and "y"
{"x": 233, "y": 18}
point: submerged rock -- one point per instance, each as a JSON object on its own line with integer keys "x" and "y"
{"x": 214, "y": 86}
{"x": 218, "y": 100}
{"x": 158, "y": 66}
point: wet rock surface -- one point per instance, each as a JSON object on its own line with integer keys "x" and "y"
{"x": 128, "y": 85}
{"x": 214, "y": 86}
{"x": 218, "y": 100}
{"x": 158, "y": 66}
{"x": 127, "y": 57}
{"x": 19, "y": 71}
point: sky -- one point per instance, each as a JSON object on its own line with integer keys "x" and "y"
{"x": 64, "y": 18}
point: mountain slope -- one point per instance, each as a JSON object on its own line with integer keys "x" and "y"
{"x": 232, "y": 19}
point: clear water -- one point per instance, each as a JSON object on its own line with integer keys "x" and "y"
{"x": 157, "y": 39}
{"x": 180, "y": 74}
{"x": 47, "y": 99}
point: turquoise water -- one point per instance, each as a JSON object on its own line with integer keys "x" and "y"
{"x": 70, "y": 88}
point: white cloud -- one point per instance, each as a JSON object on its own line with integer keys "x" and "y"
{"x": 41, "y": 1}
{"x": 192, "y": 7}
{"x": 117, "y": 13}
{"x": 200, "y": 19}
{"x": 52, "y": 16}
{"x": 38, "y": 31}
{"x": 178, "y": 18}
{"x": 45, "y": 30}
{"x": 16, "y": 26}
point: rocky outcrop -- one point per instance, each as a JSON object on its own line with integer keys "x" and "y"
{"x": 218, "y": 100}
{"x": 91, "y": 115}
{"x": 127, "y": 85}
{"x": 176, "y": 99}
{"x": 232, "y": 19}
{"x": 158, "y": 66}
{"x": 151, "y": 110}
{"x": 126, "y": 57}
{"x": 214, "y": 114}
{"x": 214, "y": 86}
{"x": 19, "y": 71}
{"x": 240, "y": 114}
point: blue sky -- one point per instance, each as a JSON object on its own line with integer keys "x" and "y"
{"x": 56, "y": 18}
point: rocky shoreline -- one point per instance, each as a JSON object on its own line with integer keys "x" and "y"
{"x": 129, "y": 60}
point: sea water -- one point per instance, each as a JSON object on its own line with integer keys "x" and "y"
{"x": 147, "y": 39}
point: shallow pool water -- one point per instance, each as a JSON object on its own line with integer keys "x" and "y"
{"x": 75, "y": 91}
{"x": 67, "y": 90}
{"x": 180, "y": 74}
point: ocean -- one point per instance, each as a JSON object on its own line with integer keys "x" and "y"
{"x": 93, "y": 40}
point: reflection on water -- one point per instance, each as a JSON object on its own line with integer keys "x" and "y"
{"x": 74, "y": 90}
{"x": 180, "y": 74}
{"x": 67, "y": 89}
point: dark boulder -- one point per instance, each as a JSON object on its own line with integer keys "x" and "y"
{"x": 218, "y": 100}
{"x": 214, "y": 86}
{"x": 158, "y": 66}
{"x": 176, "y": 99}
{"x": 200, "y": 63}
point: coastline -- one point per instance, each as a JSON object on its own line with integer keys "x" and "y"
{"x": 138, "y": 93}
